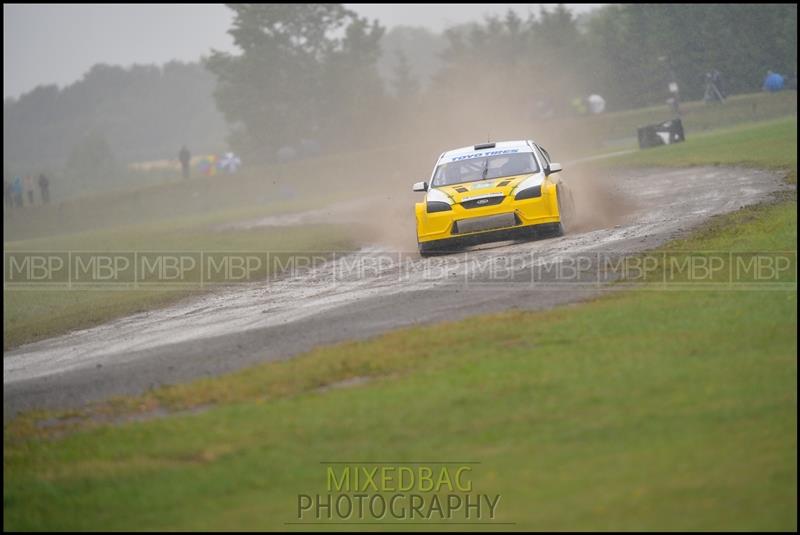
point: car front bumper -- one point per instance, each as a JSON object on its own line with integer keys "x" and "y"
{"x": 510, "y": 217}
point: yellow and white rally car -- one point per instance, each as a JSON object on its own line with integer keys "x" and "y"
{"x": 488, "y": 192}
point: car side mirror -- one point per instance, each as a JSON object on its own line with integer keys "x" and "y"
{"x": 420, "y": 186}
{"x": 554, "y": 168}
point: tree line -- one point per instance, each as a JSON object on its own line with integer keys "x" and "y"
{"x": 312, "y": 70}
{"x": 86, "y": 132}
{"x": 319, "y": 75}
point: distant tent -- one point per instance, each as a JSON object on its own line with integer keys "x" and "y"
{"x": 597, "y": 104}
{"x": 773, "y": 81}
{"x": 230, "y": 163}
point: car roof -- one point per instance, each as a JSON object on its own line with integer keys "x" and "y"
{"x": 486, "y": 149}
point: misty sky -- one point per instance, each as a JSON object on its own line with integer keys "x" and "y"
{"x": 45, "y": 44}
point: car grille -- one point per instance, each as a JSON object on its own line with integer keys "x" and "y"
{"x": 477, "y": 224}
{"x": 480, "y": 203}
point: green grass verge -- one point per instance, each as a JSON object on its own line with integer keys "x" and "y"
{"x": 697, "y": 116}
{"x": 771, "y": 144}
{"x": 640, "y": 410}
{"x": 668, "y": 410}
{"x": 31, "y": 315}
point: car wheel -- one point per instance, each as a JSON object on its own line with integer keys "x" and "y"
{"x": 565, "y": 209}
{"x": 425, "y": 249}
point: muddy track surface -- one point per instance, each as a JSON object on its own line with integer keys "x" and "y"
{"x": 362, "y": 294}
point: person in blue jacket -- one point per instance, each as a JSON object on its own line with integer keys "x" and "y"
{"x": 773, "y": 82}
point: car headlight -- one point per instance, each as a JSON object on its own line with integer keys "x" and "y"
{"x": 529, "y": 188}
{"x": 438, "y": 201}
{"x": 437, "y": 206}
{"x": 529, "y": 193}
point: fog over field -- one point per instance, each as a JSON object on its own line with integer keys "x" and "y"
{"x": 324, "y": 87}
{"x": 254, "y": 253}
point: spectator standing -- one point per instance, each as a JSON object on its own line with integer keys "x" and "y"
{"x": 185, "y": 158}
{"x": 44, "y": 188}
{"x": 8, "y": 193}
{"x": 17, "y": 189}
{"x": 716, "y": 79}
{"x": 29, "y": 188}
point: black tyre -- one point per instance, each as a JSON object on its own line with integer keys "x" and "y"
{"x": 566, "y": 207}
{"x": 425, "y": 250}
{"x": 438, "y": 247}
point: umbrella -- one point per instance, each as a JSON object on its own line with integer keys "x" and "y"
{"x": 230, "y": 163}
{"x": 773, "y": 81}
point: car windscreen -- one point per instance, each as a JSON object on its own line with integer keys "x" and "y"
{"x": 484, "y": 168}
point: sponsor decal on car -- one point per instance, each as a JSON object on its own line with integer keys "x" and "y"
{"x": 482, "y": 154}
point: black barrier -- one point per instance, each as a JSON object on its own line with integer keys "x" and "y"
{"x": 664, "y": 133}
